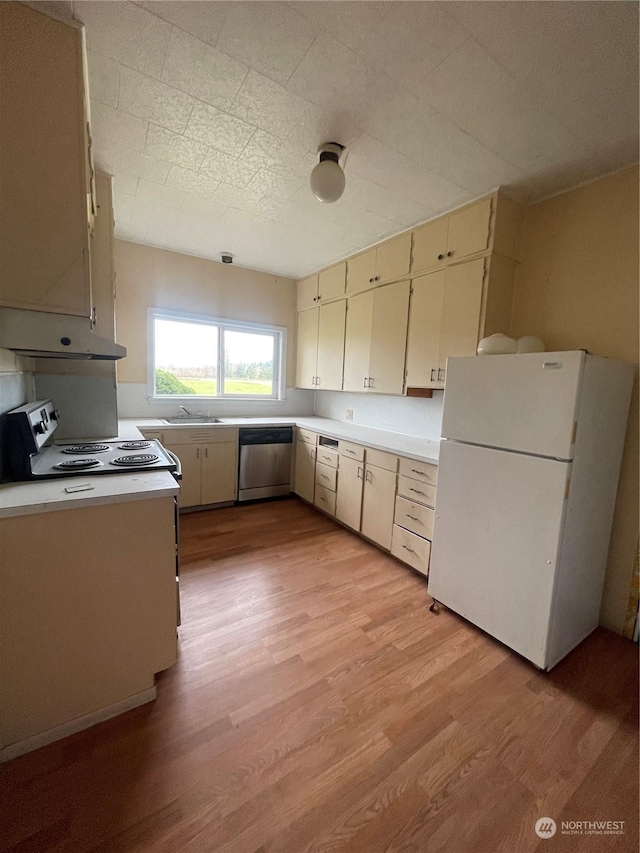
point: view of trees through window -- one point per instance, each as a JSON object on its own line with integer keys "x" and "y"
{"x": 210, "y": 360}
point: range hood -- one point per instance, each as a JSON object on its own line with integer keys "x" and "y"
{"x": 42, "y": 334}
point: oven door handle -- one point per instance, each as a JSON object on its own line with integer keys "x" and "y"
{"x": 177, "y": 474}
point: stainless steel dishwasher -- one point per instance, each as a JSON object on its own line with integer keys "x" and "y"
{"x": 265, "y": 462}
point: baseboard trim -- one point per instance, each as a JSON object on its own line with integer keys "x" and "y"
{"x": 77, "y": 725}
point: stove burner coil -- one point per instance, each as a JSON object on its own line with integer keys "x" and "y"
{"x": 136, "y": 459}
{"x": 78, "y": 464}
{"x": 134, "y": 445}
{"x": 85, "y": 448}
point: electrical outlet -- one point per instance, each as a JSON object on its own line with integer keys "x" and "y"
{"x": 349, "y": 414}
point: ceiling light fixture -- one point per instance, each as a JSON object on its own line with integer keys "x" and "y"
{"x": 327, "y": 178}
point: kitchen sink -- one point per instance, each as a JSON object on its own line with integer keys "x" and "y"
{"x": 197, "y": 419}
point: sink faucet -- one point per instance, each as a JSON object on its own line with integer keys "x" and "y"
{"x": 185, "y": 410}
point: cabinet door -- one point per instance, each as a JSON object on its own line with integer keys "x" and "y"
{"x": 332, "y": 282}
{"x": 331, "y": 332}
{"x": 378, "y": 505}
{"x": 469, "y": 230}
{"x": 388, "y": 338}
{"x": 190, "y": 456}
{"x": 349, "y": 498}
{"x": 461, "y": 305}
{"x": 44, "y": 250}
{"x": 307, "y": 349}
{"x": 219, "y": 472}
{"x": 425, "y": 314}
{"x": 304, "y": 474}
{"x": 361, "y": 271}
{"x": 307, "y": 293}
{"x": 393, "y": 258}
{"x": 357, "y": 342}
{"x": 430, "y": 244}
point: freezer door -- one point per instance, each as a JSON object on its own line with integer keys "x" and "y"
{"x": 498, "y": 524}
{"x": 526, "y": 403}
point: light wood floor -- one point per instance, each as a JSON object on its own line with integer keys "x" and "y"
{"x": 317, "y": 705}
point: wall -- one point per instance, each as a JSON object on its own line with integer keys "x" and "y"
{"x": 577, "y": 287}
{"x": 407, "y": 415}
{"x": 156, "y": 278}
{"x": 16, "y": 388}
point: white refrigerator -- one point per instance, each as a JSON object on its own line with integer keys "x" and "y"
{"x": 527, "y": 481}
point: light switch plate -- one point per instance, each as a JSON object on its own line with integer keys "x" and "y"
{"x": 349, "y": 414}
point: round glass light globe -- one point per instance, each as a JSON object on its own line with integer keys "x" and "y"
{"x": 327, "y": 181}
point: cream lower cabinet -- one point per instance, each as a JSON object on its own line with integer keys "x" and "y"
{"x": 209, "y": 463}
{"x": 444, "y": 321}
{"x": 375, "y": 340}
{"x": 320, "y": 347}
{"x": 414, "y": 514}
{"x": 349, "y": 495}
{"x": 304, "y": 472}
{"x": 379, "y": 497}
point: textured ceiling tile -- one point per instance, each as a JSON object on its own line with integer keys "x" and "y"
{"x": 104, "y": 74}
{"x": 225, "y": 168}
{"x": 412, "y": 39}
{"x": 331, "y": 71}
{"x": 206, "y": 208}
{"x": 270, "y": 37}
{"x": 203, "y": 20}
{"x": 155, "y": 101}
{"x": 220, "y": 130}
{"x": 269, "y": 106}
{"x": 201, "y": 70}
{"x": 368, "y": 195}
{"x": 150, "y": 192}
{"x": 124, "y": 185}
{"x": 113, "y": 126}
{"x": 350, "y": 23}
{"x": 264, "y": 150}
{"x": 266, "y": 183}
{"x": 241, "y": 198}
{"x": 126, "y": 33}
{"x": 482, "y": 99}
{"x": 118, "y": 160}
{"x": 199, "y": 183}
{"x": 167, "y": 145}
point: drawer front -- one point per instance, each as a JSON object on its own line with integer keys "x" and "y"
{"x": 152, "y": 434}
{"x": 307, "y": 435}
{"x": 411, "y": 549}
{"x": 423, "y": 471}
{"x": 351, "y": 451}
{"x": 415, "y": 490}
{"x": 326, "y": 500}
{"x": 208, "y": 435}
{"x": 382, "y": 460}
{"x": 415, "y": 517}
{"x": 326, "y": 476}
{"x": 327, "y": 456}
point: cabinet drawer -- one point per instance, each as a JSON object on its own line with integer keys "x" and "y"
{"x": 152, "y": 434}
{"x": 307, "y": 435}
{"x": 326, "y": 500}
{"x": 382, "y": 460}
{"x": 326, "y": 476}
{"x": 415, "y": 490}
{"x": 327, "y": 456}
{"x": 415, "y": 517}
{"x": 208, "y": 435}
{"x": 411, "y": 549}
{"x": 351, "y": 451}
{"x": 422, "y": 471}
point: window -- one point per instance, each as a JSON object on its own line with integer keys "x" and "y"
{"x": 195, "y": 356}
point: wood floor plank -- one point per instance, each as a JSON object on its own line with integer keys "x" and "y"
{"x": 317, "y": 706}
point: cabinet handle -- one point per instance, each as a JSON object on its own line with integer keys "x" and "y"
{"x": 319, "y": 297}
{"x": 406, "y": 548}
{"x": 206, "y": 453}
{"x": 347, "y": 450}
{"x": 369, "y": 477}
{"x": 369, "y": 382}
{"x": 328, "y": 458}
{"x": 377, "y": 278}
{"x": 360, "y": 473}
{"x": 417, "y": 471}
{"x": 433, "y": 370}
{"x": 417, "y": 491}
{"x": 323, "y": 499}
{"x": 324, "y": 476}
{"x": 197, "y": 453}
{"x": 440, "y": 257}
{"x": 449, "y": 254}
{"x": 317, "y": 381}
{"x": 413, "y": 517}
{"x": 441, "y": 371}
{"x": 370, "y": 281}
{"x": 364, "y": 384}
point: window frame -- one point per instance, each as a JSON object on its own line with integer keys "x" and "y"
{"x": 279, "y": 334}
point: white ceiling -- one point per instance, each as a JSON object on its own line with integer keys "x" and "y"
{"x": 209, "y": 114}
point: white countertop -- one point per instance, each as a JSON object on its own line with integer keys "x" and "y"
{"x": 421, "y": 449}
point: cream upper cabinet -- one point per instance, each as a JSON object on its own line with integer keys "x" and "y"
{"x": 332, "y": 282}
{"x": 331, "y": 332}
{"x": 349, "y": 497}
{"x": 219, "y": 472}
{"x": 361, "y": 271}
{"x": 444, "y": 321}
{"x": 307, "y": 348}
{"x": 307, "y": 293}
{"x": 46, "y": 199}
{"x": 469, "y": 230}
{"x": 304, "y": 475}
{"x": 388, "y": 338}
{"x": 378, "y": 504}
{"x": 357, "y": 344}
{"x": 393, "y": 258}
{"x": 430, "y": 244}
